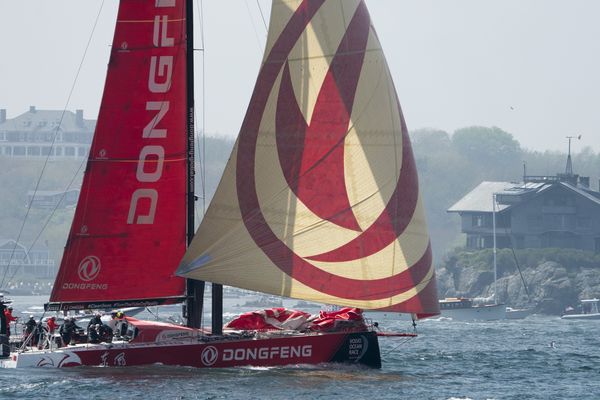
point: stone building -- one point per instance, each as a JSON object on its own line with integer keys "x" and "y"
{"x": 39, "y": 133}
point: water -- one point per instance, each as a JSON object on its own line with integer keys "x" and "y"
{"x": 449, "y": 360}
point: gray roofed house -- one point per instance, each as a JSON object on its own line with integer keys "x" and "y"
{"x": 39, "y": 133}
{"x": 542, "y": 211}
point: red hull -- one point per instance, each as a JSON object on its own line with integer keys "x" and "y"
{"x": 355, "y": 347}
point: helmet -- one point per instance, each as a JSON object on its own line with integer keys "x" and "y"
{"x": 10, "y": 308}
{"x": 52, "y": 318}
{"x": 31, "y": 317}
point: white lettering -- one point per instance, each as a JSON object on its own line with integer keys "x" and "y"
{"x": 164, "y": 70}
{"x": 160, "y": 38}
{"x": 159, "y": 81}
{"x": 149, "y": 194}
{"x": 267, "y": 353}
{"x": 85, "y": 286}
{"x": 165, "y": 3}
{"x": 149, "y": 131}
{"x": 148, "y": 151}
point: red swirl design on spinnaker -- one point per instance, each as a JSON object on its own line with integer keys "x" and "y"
{"x": 382, "y": 233}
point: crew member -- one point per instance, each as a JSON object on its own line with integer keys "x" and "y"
{"x": 95, "y": 320}
{"x": 69, "y": 331}
{"x": 31, "y": 328}
{"x": 3, "y": 323}
{"x": 9, "y": 318}
{"x": 51, "y": 323}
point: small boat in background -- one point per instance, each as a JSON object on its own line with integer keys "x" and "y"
{"x": 518, "y": 313}
{"x": 463, "y": 309}
{"x": 588, "y": 309}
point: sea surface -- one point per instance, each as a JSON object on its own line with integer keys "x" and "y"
{"x": 540, "y": 357}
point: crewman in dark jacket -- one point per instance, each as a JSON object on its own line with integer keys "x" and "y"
{"x": 31, "y": 327}
{"x": 95, "y": 320}
{"x": 69, "y": 330}
{"x": 3, "y": 323}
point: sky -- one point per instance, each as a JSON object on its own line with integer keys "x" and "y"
{"x": 530, "y": 67}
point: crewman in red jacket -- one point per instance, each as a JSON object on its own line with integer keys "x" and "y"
{"x": 9, "y": 318}
{"x": 52, "y": 325}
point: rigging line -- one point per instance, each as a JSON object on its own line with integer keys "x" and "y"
{"x": 512, "y": 248}
{"x": 83, "y": 162}
{"x": 203, "y": 161}
{"x": 37, "y": 185}
{"x": 201, "y": 151}
{"x": 256, "y": 34}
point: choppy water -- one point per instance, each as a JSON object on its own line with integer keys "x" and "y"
{"x": 449, "y": 360}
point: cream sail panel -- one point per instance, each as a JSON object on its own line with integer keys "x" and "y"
{"x": 281, "y": 12}
{"x": 301, "y": 291}
{"x": 402, "y": 253}
{"x": 310, "y": 58}
{"x": 373, "y": 146}
{"x": 222, "y": 218}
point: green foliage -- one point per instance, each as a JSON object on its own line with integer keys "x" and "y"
{"x": 452, "y": 165}
{"x": 482, "y": 260}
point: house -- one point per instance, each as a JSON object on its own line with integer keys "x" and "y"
{"x": 43, "y": 133}
{"x": 51, "y": 199}
{"x": 542, "y": 211}
{"x": 33, "y": 262}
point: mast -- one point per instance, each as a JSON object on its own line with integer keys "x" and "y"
{"x": 195, "y": 288}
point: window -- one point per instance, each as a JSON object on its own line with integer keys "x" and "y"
{"x": 478, "y": 220}
{"x": 19, "y": 151}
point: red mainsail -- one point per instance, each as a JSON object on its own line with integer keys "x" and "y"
{"x": 129, "y": 230}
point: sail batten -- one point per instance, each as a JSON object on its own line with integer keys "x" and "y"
{"x": 320, "y": 199}
{"x": 129, "y": 229}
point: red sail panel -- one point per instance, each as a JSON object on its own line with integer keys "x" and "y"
{"x": 129, "y": 230}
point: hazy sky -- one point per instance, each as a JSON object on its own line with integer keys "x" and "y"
{"x": 530, "y": 67}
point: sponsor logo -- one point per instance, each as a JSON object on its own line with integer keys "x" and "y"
{"x": 120, "y": 360}
{"x": 267, "y": 353}
{"x": 357, "y": 347}
{"x": 152, "y": 155}
{"x": 209, "y": 355}
{"x": 59, "y": 360}
{"x": 84, "y": 286}
{"x": 89, "y": 268}
{"x": 104, "y": 359}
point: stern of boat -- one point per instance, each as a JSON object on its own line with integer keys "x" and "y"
{"x": 360, "y": 348}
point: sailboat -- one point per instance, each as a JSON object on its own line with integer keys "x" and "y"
{"x": 467, "y": 309}
{"x": 319, "y": 200}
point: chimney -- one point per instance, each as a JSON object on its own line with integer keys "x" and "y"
{"x": 79, "y": 117}
{"x": 584, "y": 181}
{"x": 2, "y": 115}
{"x": 32, "y": 109}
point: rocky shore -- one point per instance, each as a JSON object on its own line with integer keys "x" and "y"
{"x": 555, "y": 278}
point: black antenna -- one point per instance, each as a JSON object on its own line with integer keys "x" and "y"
{"x": 569, "y": 168}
